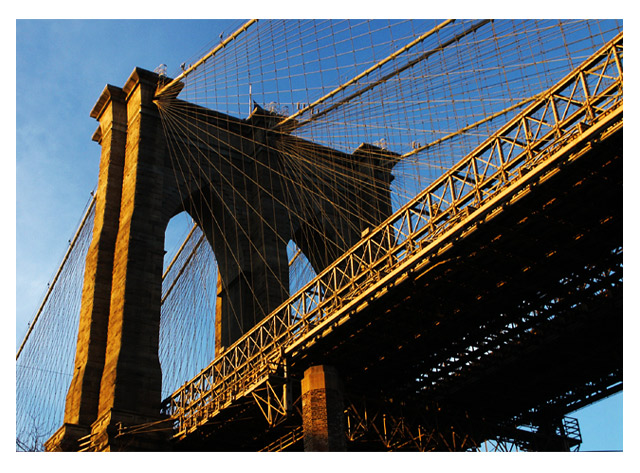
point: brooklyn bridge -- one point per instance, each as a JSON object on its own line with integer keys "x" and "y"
{"x": 402, "y": 235}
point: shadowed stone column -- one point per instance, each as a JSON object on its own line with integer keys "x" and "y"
{"x": 248, "y": 198}
{"x": 322, "y": 410}
{"x": 130, "y": 388}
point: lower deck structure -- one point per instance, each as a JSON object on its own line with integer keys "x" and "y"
{"x": 512, "y": 322}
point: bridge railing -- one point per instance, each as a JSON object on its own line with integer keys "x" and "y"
{"x": 576, "y": 105}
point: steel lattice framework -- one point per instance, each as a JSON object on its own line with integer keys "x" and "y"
{"x": 554, "y": 130}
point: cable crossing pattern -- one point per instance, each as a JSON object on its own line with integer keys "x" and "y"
{"x": 335, "y": 160}
{"x": 586, "y": 104}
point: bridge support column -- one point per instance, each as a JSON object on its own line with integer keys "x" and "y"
{"x": 551, "y": 436}
{"x": 322, "y": 410}
{"x": 130, "y": 387}
{"x": 81, "y": 408}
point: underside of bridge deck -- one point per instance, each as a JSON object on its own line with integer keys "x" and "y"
{"x": 519, "y": 322}
{"x": 523, "y": 318}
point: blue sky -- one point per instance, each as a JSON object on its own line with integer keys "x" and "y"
{"x": 61, "y": 69}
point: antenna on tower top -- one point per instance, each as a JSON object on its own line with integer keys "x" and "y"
{"x": 161, "y": 70}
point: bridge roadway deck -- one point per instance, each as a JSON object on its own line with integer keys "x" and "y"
{"x": 520, "y": 319}
{"x": 511, "y": 315}
{"x": 518, "y": 315}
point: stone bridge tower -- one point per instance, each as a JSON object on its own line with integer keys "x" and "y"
{"x": 248, "y": 200}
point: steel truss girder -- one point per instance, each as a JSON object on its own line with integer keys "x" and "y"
{"x": 430, "y": 430}
{"x": 264, "y": 380}
{"x": 273, "y": 398}
{"x": 581, "y": 107}
{"x": 290, "y": 438}
{"x": 489, "y": 338}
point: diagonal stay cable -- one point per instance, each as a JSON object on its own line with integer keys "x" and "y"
{"x": 356, "y": 79}
{"x": 422, "y": 57}
{"x": 207, "y": 56}
{"x": 390, "y": 221}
